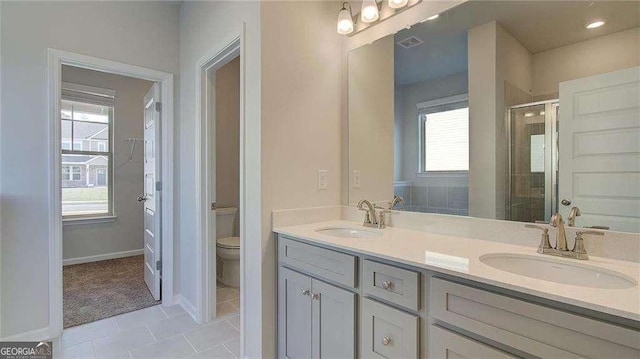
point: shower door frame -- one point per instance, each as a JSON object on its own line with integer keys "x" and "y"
{"x": 550, "y": 157}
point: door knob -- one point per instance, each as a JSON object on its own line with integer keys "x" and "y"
{"x": 566, "y": 202}
{"x": 142, "y": 198}
{"x": 305, "y": 292}
{"x": 386, "y": 341}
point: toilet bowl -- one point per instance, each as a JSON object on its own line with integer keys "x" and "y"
{"x": 227, "y": 247}
{"x": 228, "y": 250}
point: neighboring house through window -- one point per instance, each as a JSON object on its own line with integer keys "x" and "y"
{"x": 444, "y": 135}
{"x": 87, "y": 125}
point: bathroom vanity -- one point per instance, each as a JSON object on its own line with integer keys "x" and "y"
{"x": 347, "y": 291}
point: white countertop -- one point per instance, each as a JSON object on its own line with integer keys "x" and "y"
{"x": 461, "y": 257}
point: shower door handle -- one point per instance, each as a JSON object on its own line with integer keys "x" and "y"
{"x": 566, "y": 202}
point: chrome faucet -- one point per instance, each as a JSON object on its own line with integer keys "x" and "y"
{"x": 575, "y": 212}
{"x": 370, "y": 219}
{"x": 561, "y": 250}
{"x": 396, "y": 200}
{"x": 561, "y": 236}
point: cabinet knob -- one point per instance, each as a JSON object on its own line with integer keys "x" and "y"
{"x": 387, "y": 284}
{"x": 315, "y": 296}
{"x": 305, "y": 292}
{"x": 386, "y": 341}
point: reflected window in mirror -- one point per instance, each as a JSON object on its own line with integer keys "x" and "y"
{"x": 445, "y": 138}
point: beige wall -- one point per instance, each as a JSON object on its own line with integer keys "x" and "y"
{"x": 301, "y": 123}
{"x": 483, "y": 99}
{"x": 607, "y": 53}
{"x": 371, "y": 121}
{"x": 227, "y": 93}
{"x": 496, "y": 60}
{"x": 126, "y": 233}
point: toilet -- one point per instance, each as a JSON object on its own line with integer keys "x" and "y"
{"x": 227, "y": 247}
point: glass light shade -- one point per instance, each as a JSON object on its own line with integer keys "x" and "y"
{"x": 396, "y": 4}
{"x": 345, "y": 22}
{"x": 369, "y": 12}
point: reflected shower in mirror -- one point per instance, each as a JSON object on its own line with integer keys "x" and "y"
{"x": 511, "y": 110}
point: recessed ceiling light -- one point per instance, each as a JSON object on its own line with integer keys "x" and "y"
{"x": 595, "y": 24}
{"x": 529, "y": 114}
{"x": 433, "y": 17}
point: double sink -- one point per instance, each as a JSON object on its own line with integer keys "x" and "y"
{"x": 558, "y": 270}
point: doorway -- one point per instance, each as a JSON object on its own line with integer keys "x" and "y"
{"x": 95, "y": 175}
{"x": 219, "y": 95}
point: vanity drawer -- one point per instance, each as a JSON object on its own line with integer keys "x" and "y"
{"x": 387, "y": 332}
{"x": 393, "y": 284}
{"x": 532, "y": 328}
{"x": 324, "y": 263}
{"x": 444, "y": 343}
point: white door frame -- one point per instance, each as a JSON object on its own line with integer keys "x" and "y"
{"x": 57, "y": 58}
{"x": 205, "y": 116}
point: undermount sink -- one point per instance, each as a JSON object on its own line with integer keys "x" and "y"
{"x": 348, "y": 232}
{"x": 558, "y": 270}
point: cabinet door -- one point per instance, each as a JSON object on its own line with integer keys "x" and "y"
{"x": 446, "y": 344}
{"x": 334, "y": 321}
{"x": 294, "y": 314}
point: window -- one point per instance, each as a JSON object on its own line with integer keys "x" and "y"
{"x": 71, "y": 173}
{"x": 87, "y": 125}
{"x": 444, "y": 130}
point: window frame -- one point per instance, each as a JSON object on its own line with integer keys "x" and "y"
{"x": 108, "y": 154}
{"x": 425, "y": 108}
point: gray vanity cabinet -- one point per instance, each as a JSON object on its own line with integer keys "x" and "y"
{"x": 317, "y": 320}
{"x": 444, "y": 343}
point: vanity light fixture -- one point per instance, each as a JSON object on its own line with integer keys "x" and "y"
{"x": 595, "y": 24}
{"x": 372, "y": 12}
{"x": 345, "y": 20}
{"x": 369, "y": 11}
{"x": 397, "y": 4}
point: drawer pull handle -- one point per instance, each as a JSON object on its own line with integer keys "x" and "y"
{"x": 315, "y": 296}
{"x": 386, "y": 341}
{"x": 387, "y": 285}
{"x": 305, "y": 292}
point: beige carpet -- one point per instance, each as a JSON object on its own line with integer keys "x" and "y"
{"x": 98, "y": 290}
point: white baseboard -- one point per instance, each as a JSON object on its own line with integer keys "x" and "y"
{"x": 102, "y": 257}
{"x": 32, "y": 335}
{"x": 187, "y": 306}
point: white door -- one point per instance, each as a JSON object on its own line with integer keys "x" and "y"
{"x": 152, "y": 187}
{"x": 599, "y": 169}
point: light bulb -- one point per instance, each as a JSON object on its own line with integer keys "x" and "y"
{"x": 369, "y": 12}
{"x": 396, "y": 4}
{"x": 345, "y": 22}
{"x": 595, "y": 24}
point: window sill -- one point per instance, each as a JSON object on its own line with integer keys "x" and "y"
{"x": 443, "y": 174}
{"x": 88, "y": 220}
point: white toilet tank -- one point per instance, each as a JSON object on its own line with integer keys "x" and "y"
{"x": 226, "y": 222}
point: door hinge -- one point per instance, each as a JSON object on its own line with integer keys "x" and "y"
{"x": 159, "y": 106}
{"x": 213, "y": 206}
{"x": 158, "y": 186}
{"x": 158, "y": 265}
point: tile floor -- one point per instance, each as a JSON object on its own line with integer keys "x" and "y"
{"x": 157, "y": 332}
{"x": 228, "y": 300}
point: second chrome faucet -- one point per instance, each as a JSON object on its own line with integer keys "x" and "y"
{"x": 561, "y": 249}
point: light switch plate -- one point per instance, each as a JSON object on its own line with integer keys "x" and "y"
{"x": 322, "y": 179}
{"x": 356, "y": 179}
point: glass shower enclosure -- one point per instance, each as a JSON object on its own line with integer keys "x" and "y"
{"x": 533, "y": 161}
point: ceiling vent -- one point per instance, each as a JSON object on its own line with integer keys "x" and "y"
{"x": 409, "y": 42}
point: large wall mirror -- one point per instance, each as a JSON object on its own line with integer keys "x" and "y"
{"x": 511, "y": 110}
